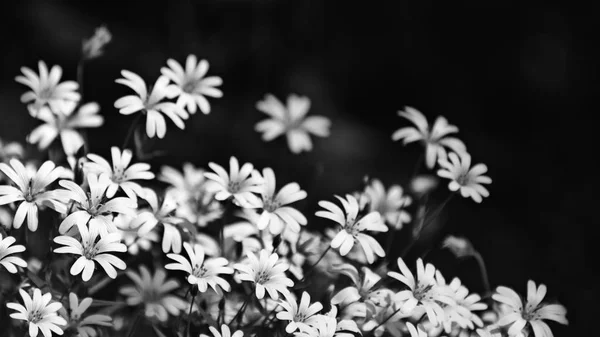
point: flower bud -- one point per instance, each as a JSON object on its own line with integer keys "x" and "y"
{"x": 93, "y": 47}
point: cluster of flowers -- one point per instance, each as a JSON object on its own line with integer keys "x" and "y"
{"x": 242, "y": 245}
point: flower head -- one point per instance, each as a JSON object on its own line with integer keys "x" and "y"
{"x": 465, "y": 178}
{"x": 9, "y": 150}
{"x": 225, "y": 332}
{"x": 276, "y": 215}
{"x": 153, "y": 104}
{"x": 91, "y": 249}
{"x": 301, "y": 316}
{"x": 30, "y": 191}
{"x": 86, "y": 326}
{"x": 291, "y": 121}
{"x": 434, "y": 139}
{"x": 6, "y": 249}
{"x": 64, "y": 123}
{"x": 130, "y": 234}
{"x": 46, "y": 89}
{"x": 202, "y": 272}
{"x": 459, "y": 246}
{"x": 267, "y": 273}
{"x": 352, "y": 227}
{"x": 534, "y": 312}
{"x": 153, "y": 291}
{"x": 94, "y": 46}
{"x": 191, "y": 86}
{"x": 120, "y": 172}
{"x": 361, "y": 289}
{"x": 39, "y": 313}
{"x": 240, "y": 183}
{"x": 390, "y": 204}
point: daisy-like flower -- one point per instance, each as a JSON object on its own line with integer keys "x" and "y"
{"x": 191, "y": 86}
{"x": 152, "y": 105}
{"x": 7, "y": 248}
{"x": 225, "y": 332}
{"x": 301, "y": 316}
{"x": 240, "y": 183}
{"x": 202, "y": 272}
{"x": 185, "y": 182}
{"x": 461, "y": 313}
{"x": 64, "y": 124}
{"x": 361, "y": 288}
{"x": 267, "y": 273}
{"x": 160, "y": 213}
{"x": 93, "y": 208}
{"x": 423, "y": 291}
{"x": 434, "y": 139}
{"x": 328, "y": 326}
{"x": 291, "y": 121}
{"x": 86, "y": 326}
{"x": 390, "y": 204}
{"x": 534, "y": 312}
{"x": 276, "y": 215}
{"x": 352, "y": 227}
{"x": 465, "y": 178}
{"x": 130, "y": 235}
{"x": 120, "y": 173}
{"x": 153, "y": 291}
{"x": 91, "y": 250}
{"x": 30, "y": 191}
{"x": 46, "y": 89}
{"x": 39, "y": 313}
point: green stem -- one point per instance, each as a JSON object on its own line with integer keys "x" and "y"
{"x": 483, "y": 270}
{"x": 131, "y": 130}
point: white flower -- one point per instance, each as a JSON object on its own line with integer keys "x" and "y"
{"x": 9, "y": 262}
{"x": 361, "y": 287}
{"x": 267, "y": 273}
{"x": 30, "y": 191}
{"x": 240, "y": 183}
{"x": 389, "y": 204}
{"x": 423, "y": 291}
{"x": 39, "y": 312}
{"x": 129, "y": 231}
{"x": 423, "y": 184}
{"x": 91, "y": 250}
{"x": 202, "y": 272}
{"x": 459, "y": 246}
{"x": 434, "y": 139}
{"x": 93, "y": 208}
{"x": 46, "y": 89}
{"x": 225, "y": 332}
{"x": 9, "y": 150}
{"x": 93, "y": 47}
{"x": 120, "y": 173}
{"x": 154, "y": 293}
{"x": 534, "y": 311}
{"x": 301, "y": 316}
{"x": 462, "y": 312}
{"x": 191, "y": 85}
{"x": 185, "y": 183}
{"x": 291, "y": 121}
{"x": 464, "y": 178}
{"x": 276, "y": 215}
{"x": 161, "y": 213}
{"x": 415, "y": 331}
{"x": 151, "y": 104}
{"x": 352, "y": 227}
{"x": 64, "y": 124}
{"x": 85, "y": 325}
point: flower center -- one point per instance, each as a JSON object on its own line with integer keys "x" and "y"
{"x": 262, "y": 277}
{"x": 300, "y": 317}
{"x": 35, "y": 316}
{"x": 233, "y": 187}
{"x": 529, "y": 314}
{"x": 351, "y": 227}
{"x": 118, "y": 175}
{"x": 463, "y": 179}
{"x": 421, "y": 293}
{"x": 46, "y": 93}
{"x": 270, "y": 205}
{"x": 190, "y": 86}
{"x": 199, "y": 271}
{"x": 90, "y": 251}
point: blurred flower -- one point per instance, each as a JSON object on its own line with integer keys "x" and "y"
{"x": 190, "y": 84}
{"x": 301, "y": 316}
{"x": 91, "y": 250}
{"x": 462, "y": 312}
{"x": 9, "y": 262}
{"x": 239, "y": 183}
{"x": 276, "y": 215}
{"x": 30, "y": 191}
{"x": 94, "y": 46}
{"x": 352, "y": 227}
{"x": 120, "y": 173}
{"x": 389, "y": 204}
{"x": 459, "y": 246}
{"x": 185, "y": 183}
{"x": 64, "y": 124}
{"x": 129, "y": 231}
{"x": 160, "y": 213}
{"x": 9, "y": 150}
{"x": 415, "y": 331}
{"x": 93, "y": 209}
{"x": 202, "y": 272}
{"x": 225, "y": 332}
{"x": 153, "y": 291}
{"x": 534, "y": 311}
{"x": 435, "y": 140}
{"x": 423, "y": 184}
{"x": 291, "y": 121}
{"x": 85, "y": 326}
{"x": 39, "y": 313}
{"x": 464, "y": 178}
{"x": 45, "y": 88}
{"x": 356, "y": 294}
{"x": 152, "y": 104}
{"x": 266, "y": 272}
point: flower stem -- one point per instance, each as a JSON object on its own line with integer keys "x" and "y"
{"x": 138, "y": 316}
{"x": 240, "y": 312}
{"x": 483, "y": 270}
{"x": 131, "y": 130}
{"x": 312, "y": 268}
{"x": 383, "y": 322}
{"x": 194, "y": 291}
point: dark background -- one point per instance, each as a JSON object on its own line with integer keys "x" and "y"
{"x": 519, "y": 80}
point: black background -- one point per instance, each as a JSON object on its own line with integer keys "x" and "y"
{"x": 518, "y": 79}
